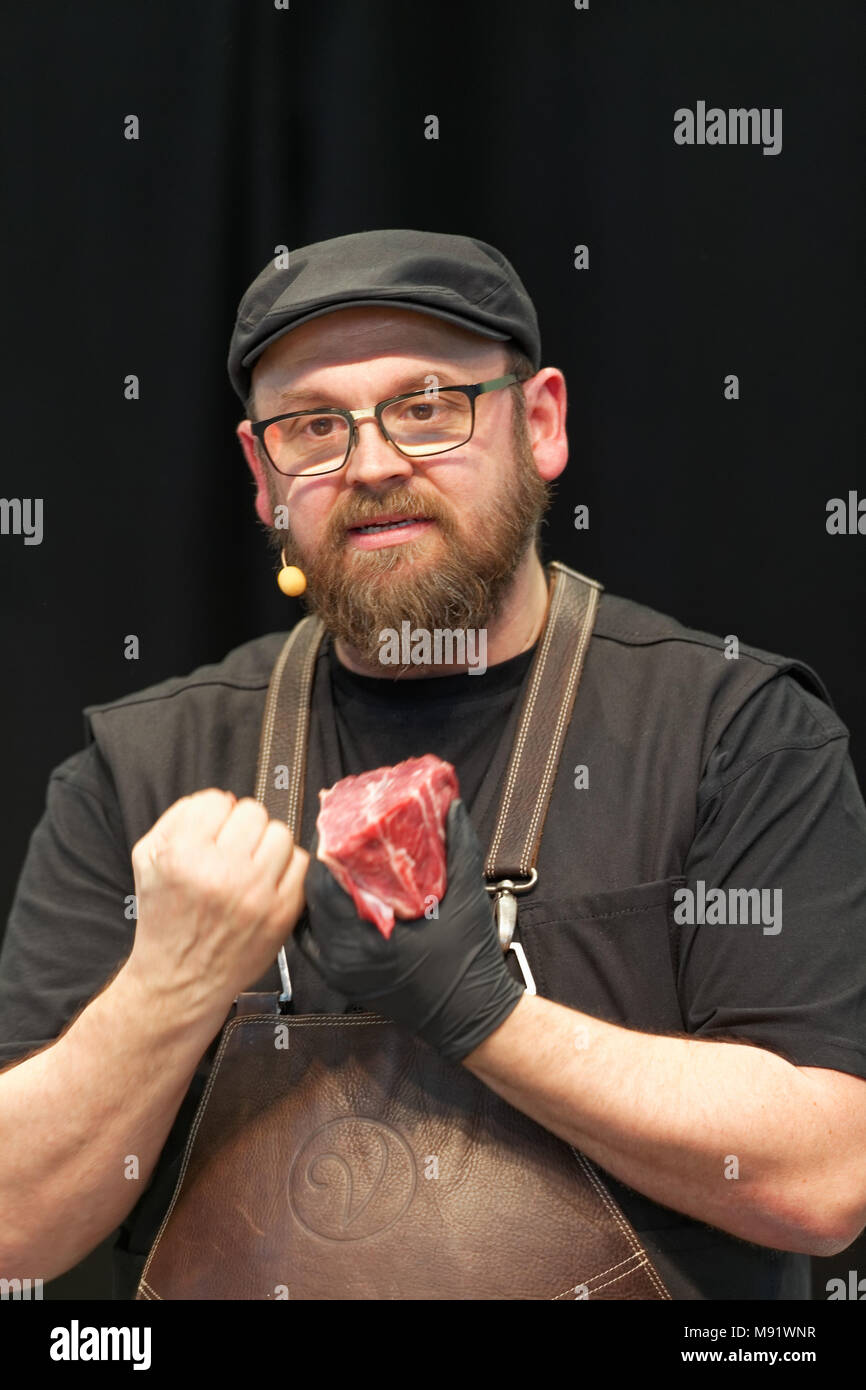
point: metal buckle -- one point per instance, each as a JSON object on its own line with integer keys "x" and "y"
{"x": 505, "y": 904}
{"x": 505, "y": 912}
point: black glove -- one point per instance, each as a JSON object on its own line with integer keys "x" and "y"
{"x": 444, "y": 978}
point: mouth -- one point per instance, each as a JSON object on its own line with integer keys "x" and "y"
{"x": 386, "y": 523}
{"x": 394, "y": 529}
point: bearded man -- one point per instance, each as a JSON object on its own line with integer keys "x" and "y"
{"x": 703, "y": 1074}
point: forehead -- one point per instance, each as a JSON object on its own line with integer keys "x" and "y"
{"x": 373, "y": 344}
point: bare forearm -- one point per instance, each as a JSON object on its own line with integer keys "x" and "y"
{"x": 729, "y": 1134}
{"x": 82, "y": 1124}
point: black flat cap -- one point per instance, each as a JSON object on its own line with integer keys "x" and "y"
{"x": 457, "y": 278}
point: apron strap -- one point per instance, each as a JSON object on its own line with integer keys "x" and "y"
{"x": 286, "y": 725}
{"x": 544, "y": 718}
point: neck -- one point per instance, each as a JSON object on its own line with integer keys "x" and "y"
{"x": 515, "y": 628}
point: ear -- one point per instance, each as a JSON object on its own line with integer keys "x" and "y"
{"x": 546, "y": 407}
{"x": 258, "y": 468}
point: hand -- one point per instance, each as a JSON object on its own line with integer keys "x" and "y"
{"x": 219, "y": 887}
{"x": 444, "y": 978}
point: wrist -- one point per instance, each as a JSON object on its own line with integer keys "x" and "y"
{"x": 469, "y": 1023}
{"x": 501, "y": 1039}
{"x": 180, "y": 1010}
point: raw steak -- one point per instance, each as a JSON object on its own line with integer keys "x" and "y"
{"x": 382, "y": 835}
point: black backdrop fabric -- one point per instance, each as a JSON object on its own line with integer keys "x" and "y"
{"x": 261, "y": 126}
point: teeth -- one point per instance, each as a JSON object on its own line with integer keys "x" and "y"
{"x": 387, "y": 525}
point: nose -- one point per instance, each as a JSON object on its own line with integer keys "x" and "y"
{"x": 373, "y": 459}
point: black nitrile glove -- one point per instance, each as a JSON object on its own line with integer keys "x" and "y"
{"x": 444, "y": 979}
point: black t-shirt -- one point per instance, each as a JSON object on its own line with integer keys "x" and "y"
{"x": 699, "y": 768}
{"x": 460, "y": 718}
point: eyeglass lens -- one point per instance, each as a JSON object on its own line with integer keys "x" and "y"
{"x": 316, "y": 443}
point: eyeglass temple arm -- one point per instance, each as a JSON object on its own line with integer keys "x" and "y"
{"x": 510, "y": 380}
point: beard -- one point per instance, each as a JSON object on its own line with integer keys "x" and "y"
{"x": 357, "y": 593}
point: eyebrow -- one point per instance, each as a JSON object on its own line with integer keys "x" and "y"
{"x": 313, "y": 398}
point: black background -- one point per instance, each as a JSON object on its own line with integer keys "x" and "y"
{"x": 260, "y": 127}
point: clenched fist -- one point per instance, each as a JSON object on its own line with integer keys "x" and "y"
{"x": 219, "y": 887}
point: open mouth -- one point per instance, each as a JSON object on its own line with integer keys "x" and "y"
{"x": 374, "y": 526}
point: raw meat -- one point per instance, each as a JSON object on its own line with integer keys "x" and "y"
{"x": 382, "y": 835}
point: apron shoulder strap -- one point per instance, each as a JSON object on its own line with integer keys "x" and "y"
{"x": 286, "y": 725}
{"x": 544, "y": 718}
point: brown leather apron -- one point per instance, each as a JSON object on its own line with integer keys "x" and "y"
{"x": 336, "y": 1156}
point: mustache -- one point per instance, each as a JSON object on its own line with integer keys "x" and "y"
{"x": 359, "y": 509}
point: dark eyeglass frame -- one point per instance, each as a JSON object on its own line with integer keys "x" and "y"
{"x": 479, "y": 388}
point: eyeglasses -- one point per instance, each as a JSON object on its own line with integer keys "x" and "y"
{"x": 419, "y": 423}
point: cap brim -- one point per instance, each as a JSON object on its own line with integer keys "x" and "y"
{"x": 471, "y": 325}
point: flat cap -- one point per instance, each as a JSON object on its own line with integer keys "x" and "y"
{"x": 458, "y": 278}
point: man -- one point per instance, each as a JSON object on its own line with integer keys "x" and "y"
{"x": 714, "y": 1068}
